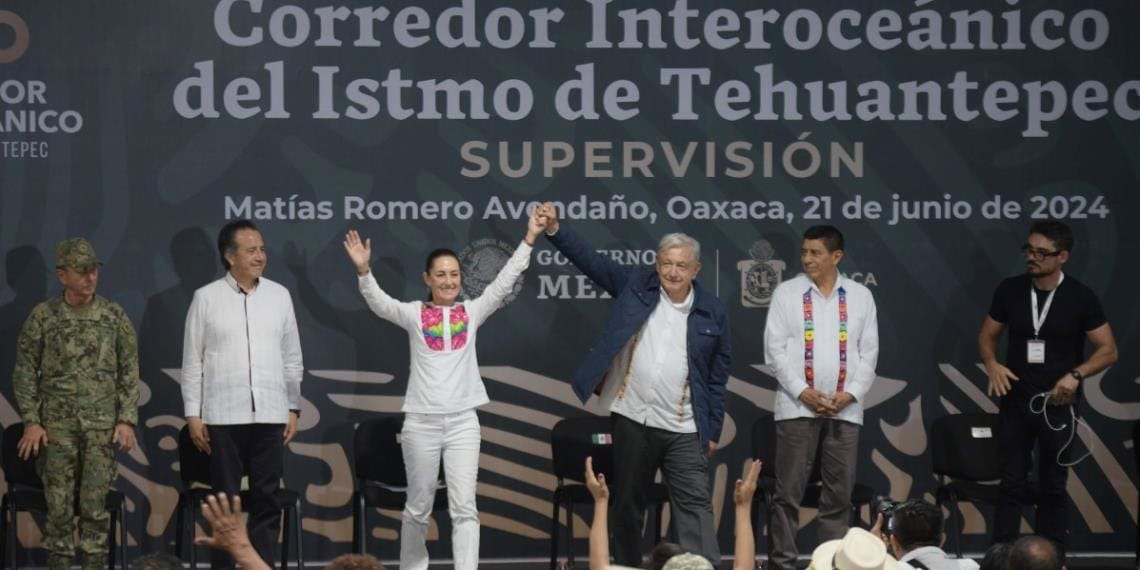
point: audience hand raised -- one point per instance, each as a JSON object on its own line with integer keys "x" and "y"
{"x": 746, "y": 487}
{"x": 596, "y": 483}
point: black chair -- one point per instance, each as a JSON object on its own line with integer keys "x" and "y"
{"x": 194, "y": 470}
{"x": 571, "y": 441}
{"x": 967, "y": 462}
{"x": 26, "y": 493}
{"x": 381, "y": 479}
{"x": 764, "y": 449}
{"x": 1136, "y": 452}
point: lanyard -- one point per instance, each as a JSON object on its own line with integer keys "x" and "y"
{"x": 809, "y": 340}
{"x": 1039, "y": 319}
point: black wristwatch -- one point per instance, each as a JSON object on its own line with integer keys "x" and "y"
{"x": 1077, "y": 374}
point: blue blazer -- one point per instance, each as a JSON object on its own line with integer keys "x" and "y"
{"x": 636, "y": 291}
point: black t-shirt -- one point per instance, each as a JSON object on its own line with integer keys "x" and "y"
{"x": 1075, "y": 311}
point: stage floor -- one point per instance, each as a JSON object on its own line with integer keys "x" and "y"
{"x": 1102, "y": 561}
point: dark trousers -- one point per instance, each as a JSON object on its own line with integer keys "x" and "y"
{"x": 256, "y": 450}
{"x": 1020, "y": 431}
{"x": 796, "y": 443}
{"x": 639, "y": 451}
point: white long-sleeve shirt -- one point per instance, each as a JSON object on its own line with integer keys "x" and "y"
{"x": 784, "y": 345}
{"x": 656, "y": 361}
{"x": 444, "y": 372}
{"x": 241, "y": 356}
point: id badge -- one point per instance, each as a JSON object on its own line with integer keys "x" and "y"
{"x": 1035, "y": 351}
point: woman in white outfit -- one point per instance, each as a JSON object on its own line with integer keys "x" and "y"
{"x": 444, "y": 388}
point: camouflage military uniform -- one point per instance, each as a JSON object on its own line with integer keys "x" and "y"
{"x": 77, "y": 376}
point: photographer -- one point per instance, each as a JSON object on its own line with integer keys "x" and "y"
{"x": 913, "y": 533}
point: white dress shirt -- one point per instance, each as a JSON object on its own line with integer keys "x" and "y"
{"x": 241, "y": 357}
{"x": 444, "y": 376}
{"x": 784, "y": 345}
{"x": 657, "y": 393}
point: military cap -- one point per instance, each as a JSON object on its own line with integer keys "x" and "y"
{"x": 76, "y": 253}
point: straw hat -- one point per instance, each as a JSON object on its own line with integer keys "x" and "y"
{"x": 859, "y": 550}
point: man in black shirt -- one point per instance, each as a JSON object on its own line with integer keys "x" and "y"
{"x": 1049, "y": 316}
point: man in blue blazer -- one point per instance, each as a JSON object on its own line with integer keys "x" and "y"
{"x": 660, "y": 366}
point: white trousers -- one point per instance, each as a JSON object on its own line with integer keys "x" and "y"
{"x": 425, "y": 439}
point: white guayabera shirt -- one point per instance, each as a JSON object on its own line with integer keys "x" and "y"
{"x": 784, "y": 345}
{"x": 241, "y": 357}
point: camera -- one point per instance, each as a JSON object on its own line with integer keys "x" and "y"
{"x": 883, "y": 505}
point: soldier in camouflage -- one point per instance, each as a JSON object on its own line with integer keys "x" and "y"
{"x": 77, "y": 385}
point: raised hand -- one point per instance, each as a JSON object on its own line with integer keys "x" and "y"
{"x": 746, "y": 486}
{"x": 548, "y": 211}
{"x": 360, "y": 252}
{"x": 596, "y": 483}
{"x": 535, "y": 226}
{"x": 230, "y": 534}
{"x": 224, "y": 517}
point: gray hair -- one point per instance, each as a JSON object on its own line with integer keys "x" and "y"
{"x": 678, "y": 239}
{"x": 688, "y": 561}
{"x": 157, "y": 561}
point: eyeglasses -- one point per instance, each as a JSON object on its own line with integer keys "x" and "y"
{"x": 1038, "y": 254}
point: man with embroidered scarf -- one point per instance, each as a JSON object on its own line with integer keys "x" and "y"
{"x": 660, "y": 367}
{"x": 822, "y": 341}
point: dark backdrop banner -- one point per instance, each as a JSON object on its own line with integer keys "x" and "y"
{"x": 932, "y": 134}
